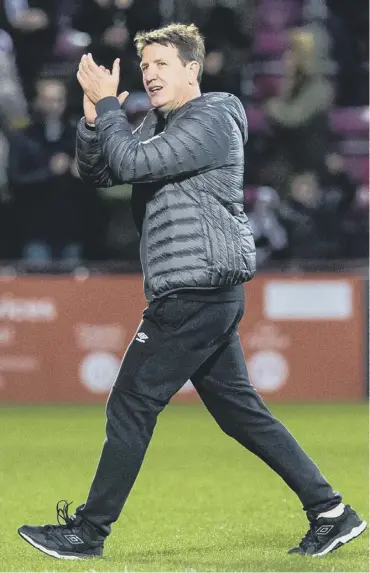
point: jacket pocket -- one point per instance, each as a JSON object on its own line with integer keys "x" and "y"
{"x": 245, "y": 247}
{"x": 248, "y": 249}
{"x": 207, "y": 240}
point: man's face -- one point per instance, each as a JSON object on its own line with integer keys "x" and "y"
{"x": 51, "y": 98}
{"x": 305, "y": 189}
{"x": 166, "y": 79}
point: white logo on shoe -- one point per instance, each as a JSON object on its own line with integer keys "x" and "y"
{"x": 324, "y": 529}
{"x": 73, "y": 539}
{"x": 141, "y": 337}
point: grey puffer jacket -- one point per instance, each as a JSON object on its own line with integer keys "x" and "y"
{"x": 187, "y": 199}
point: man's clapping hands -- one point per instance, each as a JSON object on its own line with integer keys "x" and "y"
{"x": 97, "y": 82}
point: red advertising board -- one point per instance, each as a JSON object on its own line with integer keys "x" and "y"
{"x": 62, "y": 338}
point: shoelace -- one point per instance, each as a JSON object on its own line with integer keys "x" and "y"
{"x": 64, "y": 519}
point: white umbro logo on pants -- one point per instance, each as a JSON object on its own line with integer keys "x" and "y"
{"x": 141, "y": 337}
{"x": 74, "y": 539}
{"x": 324, "y": 529}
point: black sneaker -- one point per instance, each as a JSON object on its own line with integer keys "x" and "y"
{"x": 73, "y": 539}
{"x": 326, "y": 534}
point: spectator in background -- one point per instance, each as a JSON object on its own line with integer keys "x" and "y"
{"x": 228, "y": 49}
{"x": 112, "y": 25}
{"x": 338, "y": 189}
{"x": 356, "y": 226}
{"x": 228, "y": 29}
{"x": 315, "y": 16}
{"x": 348, "y": 24}
{"x": 48, "y": 193}
{"x": 299, "y": 115}
{"x": 270, "y": 235}
{"x": 316, "y": 215}
{"x": 33, "y": 26}
{"x": 105, "y": 22}
{"x": 300, "y": 216}
{"x": 339, "y": 205}
{"x": 6, "y": 205}
{"x": 13, "y": 105}
{"x": 13, "y": 115}
{"x": 198, "y": 11}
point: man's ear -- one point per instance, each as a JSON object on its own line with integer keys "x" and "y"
{"x": 193, "y": 70}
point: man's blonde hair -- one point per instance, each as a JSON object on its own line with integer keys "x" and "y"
{"x": 185, "y": 37}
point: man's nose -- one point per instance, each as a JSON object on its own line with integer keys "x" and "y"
{"x": 151, "y": 75}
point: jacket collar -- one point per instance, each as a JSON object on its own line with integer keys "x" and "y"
{"x": 178, "y": 111}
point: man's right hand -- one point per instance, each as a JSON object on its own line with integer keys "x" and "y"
{"x": 89, "y": 108}
{"x": 89, "y": 111}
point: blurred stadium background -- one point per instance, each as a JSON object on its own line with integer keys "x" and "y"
{"x": 70, "y": 283}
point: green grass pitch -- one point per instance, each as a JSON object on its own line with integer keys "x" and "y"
{"x": 201, "y": 502}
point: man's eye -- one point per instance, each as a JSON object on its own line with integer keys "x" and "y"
{"x": 161, "y": 63}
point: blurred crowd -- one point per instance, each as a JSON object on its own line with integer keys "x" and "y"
{"x": 292, "y": 62}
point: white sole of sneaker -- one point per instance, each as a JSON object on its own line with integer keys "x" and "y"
{"x": 48, "y": 551}
{"x": 355, "y": 532}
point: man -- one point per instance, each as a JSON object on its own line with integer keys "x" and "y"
{"x": 50, "y": 198}
{"x": 186, "y": 164}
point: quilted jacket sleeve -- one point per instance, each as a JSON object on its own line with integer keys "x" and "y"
{"x": 91, "y": 165}
{"x": 196, "y": 142}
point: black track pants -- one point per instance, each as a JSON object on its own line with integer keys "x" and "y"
{"x": 181, "y": 339}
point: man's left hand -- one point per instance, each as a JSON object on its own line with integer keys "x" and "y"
{"x": 95, "y": 82}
